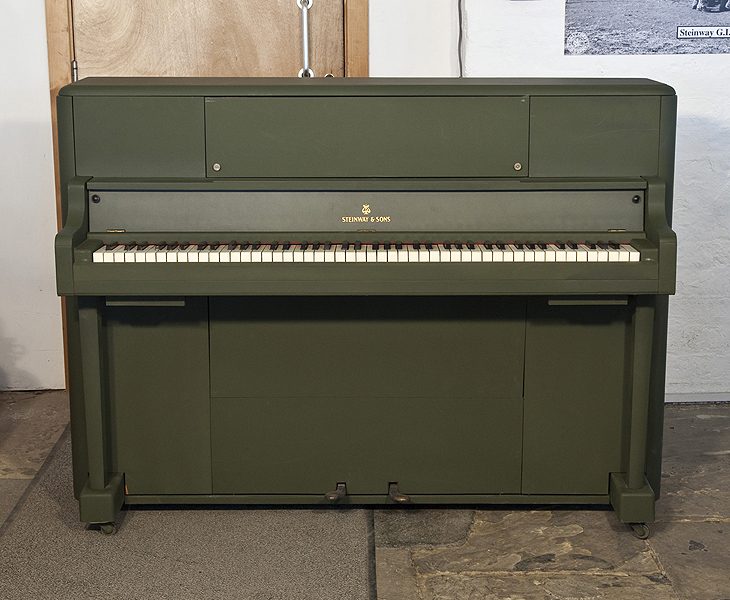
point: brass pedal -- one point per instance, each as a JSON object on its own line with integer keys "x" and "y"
{"x": 396, "y": 495}
{"x": 338, "y": 494}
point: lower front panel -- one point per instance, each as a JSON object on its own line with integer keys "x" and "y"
{"x": 308, "y": 445}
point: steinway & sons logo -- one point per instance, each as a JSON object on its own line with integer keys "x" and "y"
{"x": 366, "y": 210}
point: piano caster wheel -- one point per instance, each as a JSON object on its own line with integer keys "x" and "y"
{"x": 396, "y": 495}
{"x": 108, "y": 528}
{"x": 337, "y": 494}
{"x": 640, "y": 530}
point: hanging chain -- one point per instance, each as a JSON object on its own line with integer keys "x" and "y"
{"x": 305, "y": 5}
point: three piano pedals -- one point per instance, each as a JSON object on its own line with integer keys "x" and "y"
{"x": 341, "y": 491}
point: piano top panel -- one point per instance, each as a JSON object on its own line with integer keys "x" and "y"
{"x": 370, "y": 86}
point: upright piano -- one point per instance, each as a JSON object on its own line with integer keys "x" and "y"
{"x": 366, "y": 291}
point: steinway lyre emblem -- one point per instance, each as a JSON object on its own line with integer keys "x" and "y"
{"x": 366, "y": 209}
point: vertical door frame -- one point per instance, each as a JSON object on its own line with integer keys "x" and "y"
{"x": 59, "y": 33}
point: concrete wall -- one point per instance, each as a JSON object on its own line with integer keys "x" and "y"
{"x": 509, "y": 38}
{"x": 31, "y": 345}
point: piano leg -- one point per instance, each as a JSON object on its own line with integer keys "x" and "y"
{"x": 103, "y": 495}
{"x": 631, "y": 495}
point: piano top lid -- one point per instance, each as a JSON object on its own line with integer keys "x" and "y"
{"x": 365, "y": 86}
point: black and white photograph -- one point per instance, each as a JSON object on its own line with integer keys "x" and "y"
{"x": 647, "y": 27}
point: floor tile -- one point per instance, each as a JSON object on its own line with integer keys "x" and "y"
{"x": 585, "y": 541}
{"x": 396, "y": 578}
{"x": 696, "y": 463}
{"x": 413, "y": 526}
{"x": 10, "y": 492}
{"x": 553, "y": 587}
{"x": 695, "y": 557}
{"x": 30, "y": 424}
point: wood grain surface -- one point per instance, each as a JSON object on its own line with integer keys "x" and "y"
{"x": 356, "y": 38}
{"x": 205, "y": 38}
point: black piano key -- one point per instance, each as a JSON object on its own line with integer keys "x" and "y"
{"x": 327, "y": 246}
{"x": 500, "y": 245}
{"x": 215, "y": 245}
{"x": 459, "y": 245}
{"x": 519, "y": 246}
{"x": 129, "y": 245}
{"x": 111, "y": 245}
{"x": 602, "y": 245}
{"x": 358, "y": 245}
{"x": 416, "y": 245}
{"x": 255, "y": 245}
{"x": 184, "y": 245}
{"x": 387, "y": 245}
{"x": 429, "y": 246}
{"x": 244, "y": 245}
{"x": 345, "y": 245}
{"x": 303, "y": 246}
{"x": 614, "y": 245}
{"x": 316, "y": 246}
{"x": 542, "y": 245}
{"x": 399, "y": 245}
{"x": 161, "y": 245}
{"x": 447, "y": 245}
{"x": 376, "y": 245}
{"x": 232, "y": 245}
{"x": 286, "y": 246}
{"x": 142, "y": 245}
{"x": 591, "y": 245}
{"x": 202, "y": 246}
{"x": 273, "y": 245}
{"x": 560, "y": 245}
{"x": 529, "y": 245}
{"x": 173, "y": 245}
{"x": 470, "y": 245}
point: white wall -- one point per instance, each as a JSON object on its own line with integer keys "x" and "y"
{"x": 31, "y": 344}
{"x": 507, "y": 38}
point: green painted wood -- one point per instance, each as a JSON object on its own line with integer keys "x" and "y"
{"x": 366, "y": 137}
{"x": 139, "y": 137}
{"x": 430, "y": 445}
{"x": 574, "y": 397}
{"x": 610, "y": 136}
{"x": 355, "y": 347}
{"x": 159, "y": 393}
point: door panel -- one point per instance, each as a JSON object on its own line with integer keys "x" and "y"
{"x": 205, "y": 38}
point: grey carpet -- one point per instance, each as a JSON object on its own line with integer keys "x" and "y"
{"x": 242, "y": 553}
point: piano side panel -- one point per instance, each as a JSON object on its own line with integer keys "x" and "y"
{"x": 159, "y": 396}
{"x": 367, "y": 137}
{"x": 594, "y": 136}
{"x": 574, "y": 397}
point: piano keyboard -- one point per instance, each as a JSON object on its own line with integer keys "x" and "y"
{"x": 356, "y": 252}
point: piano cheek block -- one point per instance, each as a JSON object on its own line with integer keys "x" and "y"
{"x": 402, "y": 318}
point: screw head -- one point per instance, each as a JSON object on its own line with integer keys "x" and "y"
{"x": 636, "y": 199}
{"x": 95, "y": 199}
{"x": 216, "y": 167}
{"x": 518, "y": 166}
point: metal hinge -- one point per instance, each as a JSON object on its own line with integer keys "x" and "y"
{"x": 74, "y": 71}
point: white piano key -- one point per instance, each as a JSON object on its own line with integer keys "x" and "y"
{"x": 382, "y": 255}
{"x": 571, "y": 255}
{"x": 183, "y": 254}
{"x": 370, "y": 254}
{"x": 171, "y": 254}
{"x": 455, "y": 254}
{"x": 466, "y": 254}
{"x": 319, "y": 254}
{"x": 149, "y": 254}
{"x": 434, "y": 255}
{"x": 602, "y": 254}
{"x": 554, "y": 254}
{"x": 329, "y": 255}
{"x": 412, "y": 253}
{"x": 393, "y": 254}
{"x": 497, "y": 254}
{"x": 404, "y": 254}
{"x": 340, "y": 254}
{"x": 278, "y": 254}
{"x": 634, "y": 254}
{"x": 117, "y": 255}
{"x": 361, "y": 255}
{"x": 287, "y": 256}
{"x": 98, "y": 255}
{"x": 614, "y": 255}
{"x": 224, "y": 255}
{"x": 298, "y": 254}
{"x": 529, "y": 254}
{"x": 256, "y": 254}
{"x": 267, "y": 254}
{"x": 583, "y": 254}
{"x": 517, "y": 253}
{"x": 508, "y": 255}
{"x": 623, "y": 253}
{"x": 540, "y": 254}
{"x": 444, "y": 254}
{"x": 423, "y": 254}
{"x": 350, "y": 254}
{"x": 309, "y": 254}
{"x": 130, "y": 255}
{"x": 246, "y": 253}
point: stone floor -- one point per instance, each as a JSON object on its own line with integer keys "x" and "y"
{"x": 545, "y": 553}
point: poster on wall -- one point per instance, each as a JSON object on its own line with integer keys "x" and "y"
{"x": 647, "y": 27}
